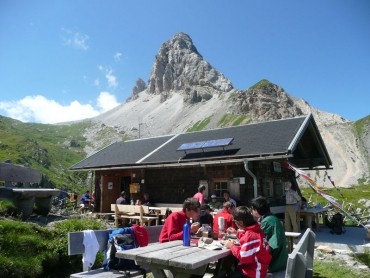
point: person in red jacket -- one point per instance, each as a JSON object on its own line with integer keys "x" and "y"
{"x": 226, "y": 213}
{"x": 252, "y": 251}
{"x": 174, "y": 224}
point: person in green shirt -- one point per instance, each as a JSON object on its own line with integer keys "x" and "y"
{"x": 274, "y": 232}
{"x": 214, "y": 204}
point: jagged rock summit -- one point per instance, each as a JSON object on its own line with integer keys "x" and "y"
{"x": 265, "y": 101}
{"x": 178, "y": 66}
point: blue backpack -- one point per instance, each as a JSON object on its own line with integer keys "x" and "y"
{"x": 119, "y": 240}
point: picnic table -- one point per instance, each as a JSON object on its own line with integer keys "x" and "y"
{"x": 179, "y": 260}
{"x": 313, "y": 213}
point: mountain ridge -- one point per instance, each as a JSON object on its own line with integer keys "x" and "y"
{"x": 192, "y": 105}
{"x": 182, "y": 96}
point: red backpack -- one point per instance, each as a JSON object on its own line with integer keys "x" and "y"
{"x": 141, "y": 235}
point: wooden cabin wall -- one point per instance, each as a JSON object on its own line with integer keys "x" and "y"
{"x": 174, "y": 185}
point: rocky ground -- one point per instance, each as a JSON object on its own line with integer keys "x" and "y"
{"x": 325, "y": 253}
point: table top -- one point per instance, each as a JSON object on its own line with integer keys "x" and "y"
{"x": 173, "y": 254}
{"x": 314, "y": 210}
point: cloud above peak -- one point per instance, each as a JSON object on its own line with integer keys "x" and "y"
{"x": 75, "y": 39}
{"x": 39, "y": 109}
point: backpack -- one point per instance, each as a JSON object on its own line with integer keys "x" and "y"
{"x": 336, "y": 224}
{"x": 121, "y": 239}
{"x": 141, "y": 235}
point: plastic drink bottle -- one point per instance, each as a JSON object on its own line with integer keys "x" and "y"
{"x": 221, "y": 228}
{"x": 186, "y": 234}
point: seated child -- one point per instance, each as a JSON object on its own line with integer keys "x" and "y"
{"x": 252, "y": 251}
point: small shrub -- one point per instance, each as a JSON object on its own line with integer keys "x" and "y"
{"x": 7, "y": 208}
{"x": 29, "y": 250}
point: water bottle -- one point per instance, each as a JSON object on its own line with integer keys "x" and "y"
{"x": 221, "y": 228}
{"x": 186, "y": 234}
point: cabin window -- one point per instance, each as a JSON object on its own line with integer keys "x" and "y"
{"x": 220, "y": 187}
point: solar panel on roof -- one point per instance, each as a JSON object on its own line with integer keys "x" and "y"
{"x": 191, "y": 146}
{"x": 217, "y": 143}
{"x": 205, "y": 144}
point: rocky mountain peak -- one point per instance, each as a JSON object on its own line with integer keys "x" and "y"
{"x": 139, "y": 87}
{"x": 181, "y": 41}
{"x": 265, "y": 101}
{"x": 178, "y": 66}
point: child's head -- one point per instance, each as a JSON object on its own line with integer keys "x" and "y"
{"x": 191, "y": 207}
{"x": 260, "y": 205}
{"x": 243, "y": 217}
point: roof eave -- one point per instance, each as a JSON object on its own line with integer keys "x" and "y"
{"x": 200, "y": 163}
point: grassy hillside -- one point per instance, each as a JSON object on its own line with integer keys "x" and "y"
{"x": 52, "y": 149}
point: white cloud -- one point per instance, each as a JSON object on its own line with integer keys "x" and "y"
{"x": 117, "y": 56}
{"x": 75, "y": 39}
{"x": 111, "y": 79}
{"x": 42, "y": 110}
{"x": 106, "y": 101}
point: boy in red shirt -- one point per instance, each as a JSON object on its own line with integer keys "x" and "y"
{"x": 253, "y": 251}
{"x": 174, "y": 224}
{"x": 226, "y": 213}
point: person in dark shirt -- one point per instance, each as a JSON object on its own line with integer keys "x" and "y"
{"x": 122, "y": 199}
{"x": 205, "y": 216}
{"x": 146, "y": 200}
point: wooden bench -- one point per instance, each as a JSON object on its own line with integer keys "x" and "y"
{"x": 76, "y": 247}
{"x": 290, "y": 236}
{"x": 300, "y": 260}
{"x": 165, "y": 205}
{"x": 137, "y": 213}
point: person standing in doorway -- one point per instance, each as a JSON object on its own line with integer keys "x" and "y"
{"x": 200, "y": 194}
{"x": 292, "y": 206}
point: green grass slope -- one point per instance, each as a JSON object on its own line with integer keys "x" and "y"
{"x": 52, "y": 149}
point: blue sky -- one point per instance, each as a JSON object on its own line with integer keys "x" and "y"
{"x": 67, "y": 60}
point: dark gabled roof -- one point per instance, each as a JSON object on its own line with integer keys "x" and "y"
{"x": 296, "y": 138}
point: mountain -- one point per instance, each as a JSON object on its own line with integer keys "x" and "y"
{"x": 184, "y": 93}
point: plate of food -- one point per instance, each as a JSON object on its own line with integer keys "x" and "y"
{"x": 231, "y": 236}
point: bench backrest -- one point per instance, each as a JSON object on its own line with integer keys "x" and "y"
{"x": 173, "y": 209}
{"x": 168, "y": 205}
{"x": 125, "y": 208}
{"x": 300, "y": 261}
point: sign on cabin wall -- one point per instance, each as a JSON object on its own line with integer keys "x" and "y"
{"x": 134, "y": 188}
{"x": 276, "y": 166}
{"x": 241, "y": 180}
